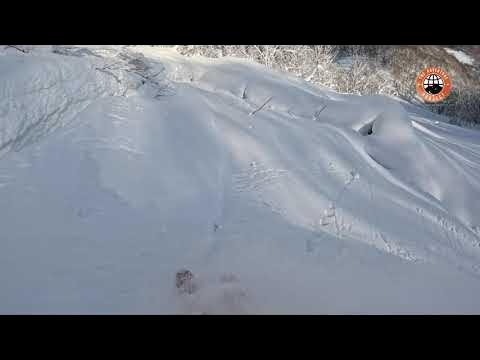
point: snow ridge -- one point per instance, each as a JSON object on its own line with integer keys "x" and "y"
{"x": 122, "y": 165}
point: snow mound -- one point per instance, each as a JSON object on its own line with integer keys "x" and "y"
{"x": 122, "y": 165}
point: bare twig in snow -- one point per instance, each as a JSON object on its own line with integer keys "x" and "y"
{"x": 17, "y": 48}
{"x": 244, "y": 94}
{"x": 261, "y": 107}
{"x": 318, "y": 112}
{"x": 108, "y": 66}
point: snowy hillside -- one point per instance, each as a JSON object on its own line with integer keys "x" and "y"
{"x": 121, "y": 165}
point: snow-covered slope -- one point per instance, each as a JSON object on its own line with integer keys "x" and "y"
{"x": 121, "y": 165}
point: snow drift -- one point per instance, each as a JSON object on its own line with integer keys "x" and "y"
{"x": 121, "y": 165}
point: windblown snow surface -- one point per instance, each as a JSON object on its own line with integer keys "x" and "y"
{"x": 121, "y": 165}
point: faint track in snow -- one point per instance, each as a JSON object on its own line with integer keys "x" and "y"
{"x": 47, "y": 108}
{"x": 253, "y": 182}
{"x": 257, "y": 178}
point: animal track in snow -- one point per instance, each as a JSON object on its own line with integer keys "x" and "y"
{"x": 257, "y": 177}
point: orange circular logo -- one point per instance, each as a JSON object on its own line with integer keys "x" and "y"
{"x": 433, "y": 84}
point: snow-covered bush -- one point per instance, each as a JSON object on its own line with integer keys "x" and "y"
{"x": 356, "y": 69}
{"x": 314, "y": 63}
{"x": 462, "y": 106}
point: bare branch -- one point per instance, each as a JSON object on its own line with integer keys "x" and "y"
{"x": 16, "y": 48}
{"x": 261, "y": 107}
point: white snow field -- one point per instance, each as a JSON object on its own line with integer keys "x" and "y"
{"x": 121, "y": 165}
